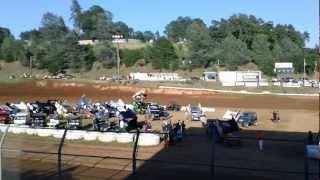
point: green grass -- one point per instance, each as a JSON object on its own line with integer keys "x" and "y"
{"x": 97, "y": 71}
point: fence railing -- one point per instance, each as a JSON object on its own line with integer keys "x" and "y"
{"x": 213, "y": 165}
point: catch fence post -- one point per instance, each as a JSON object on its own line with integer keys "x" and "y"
{"x": 213, "y": 153}
{"x": 1, "y": 143}
{"x": 60, "y": 150}
{"x": 134, "y": 153}
{"x": 306, "y": 163}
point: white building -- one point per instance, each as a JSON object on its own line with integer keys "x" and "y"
{"x": 88, "y": 42}
{"x": 241, "y": 78}
{"x": 119, "y": 41}
{"x": 155, "y": 76}
{"x": 283, "y": 68}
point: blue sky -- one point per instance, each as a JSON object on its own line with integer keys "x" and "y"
{"x": 22, "y": 15}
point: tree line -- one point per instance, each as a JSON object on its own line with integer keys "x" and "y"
{"x": 187, "y": 43}
{"x": 241, "y": 39}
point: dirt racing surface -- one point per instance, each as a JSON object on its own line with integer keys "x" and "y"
{"x": 37, "y": 90}
{"x": 298, "y": 115}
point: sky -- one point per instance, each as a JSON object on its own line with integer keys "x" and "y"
{"x": 23, "y": 15}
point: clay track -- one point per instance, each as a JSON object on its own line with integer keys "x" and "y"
{"x": 35, "y": 90}
{"x": 296, "y": 111}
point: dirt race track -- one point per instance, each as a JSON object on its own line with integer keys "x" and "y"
{"x": 72, "y": 91}
{"x": 298, "y": 115}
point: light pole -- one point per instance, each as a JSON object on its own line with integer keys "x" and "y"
{"x": 117, "y": 39}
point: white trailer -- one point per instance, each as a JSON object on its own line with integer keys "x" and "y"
{"x": 240, "y": 78}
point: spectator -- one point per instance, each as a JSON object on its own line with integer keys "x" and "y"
{"x": 310, "y": 138}
{"x": 275, "y": 116}
{"x": 179, "y": 131}
{"x": 260, "y": 136}
{"x": 171, "y": 137}
{"x": 183, "y": 125}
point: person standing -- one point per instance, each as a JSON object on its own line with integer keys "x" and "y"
{"x": 179, "y": 131}
{"x": 260, "y": 136}
{"x": 310, "y": 138}
{"x": 183, "y": 125}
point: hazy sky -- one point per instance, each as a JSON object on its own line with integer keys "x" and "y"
{"x": 22, "y": 15}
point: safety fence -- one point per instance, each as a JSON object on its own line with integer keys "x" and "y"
{"x": 195, "y": 156}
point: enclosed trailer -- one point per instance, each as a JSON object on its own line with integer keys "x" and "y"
{"x": 240, "y": 78}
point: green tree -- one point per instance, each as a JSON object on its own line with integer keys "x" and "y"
{"x": 32, "y": 35}
{"x": 97, "y": 23}
{"x": 121, "y": 28}
{"x": 52, "y": 26}
{"x": 76, "y": 16}
{"x": 288, "y": 51}
{"x": 262, "y": 55}
{"x": 288, "y": 31}
{"x": 241, "y": 26}
{"x": 130, "y": 56}
{"x": 4, "y": 33}
{"x": 176, "y": 30}
{"x": 311, "y": 57}
{"x": 8, "y": 49}
{"x": 139, "y": 35}
{"x": 148, "y": 35}
{"x": 233, "y": 52}
{"x": 162, "y": 55}
{"x": 105, "y": 53}
{"x": 200, "y": 45}
{"x": 157, "y": 35}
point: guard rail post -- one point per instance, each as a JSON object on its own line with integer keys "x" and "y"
{"x": 1, "y": 143}
{"x": 213, "y": 153}
{"x": 60, "y": 150}
{"x": 134, "y": 153}
{"x": 306, "y": 163}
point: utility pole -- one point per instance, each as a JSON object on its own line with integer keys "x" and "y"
{"x": 30, "y": 66}
{"x": 319, "y": 67}
{"x": 315, "y": 69}
{"x": 319, "y": 80}
{"x": 304, "y": 70}
{"x": 117, "y": 39}
{"x": 118, "y": 62}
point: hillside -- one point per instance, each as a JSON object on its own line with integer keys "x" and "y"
{"x": 17, "y": 69}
